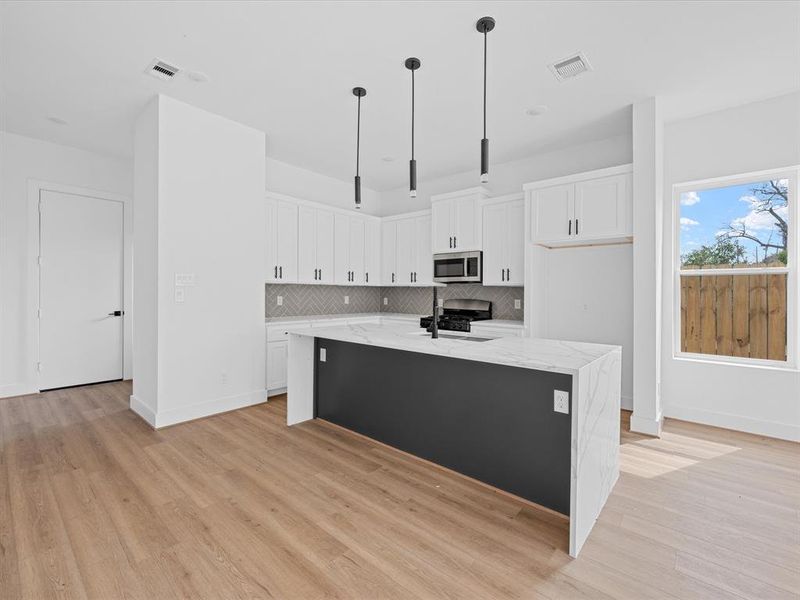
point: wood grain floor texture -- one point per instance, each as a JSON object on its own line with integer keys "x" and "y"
{"x": 93, "y": 503}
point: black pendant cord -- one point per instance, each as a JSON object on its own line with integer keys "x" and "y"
{"x": 412, "y": 114}
{"x": 359, "y": 92}
{"x": 412, "y": 64}
{"x": 485, "y": 47}
{"x": 358, "y": 135}
{"x": 484, "y": 26}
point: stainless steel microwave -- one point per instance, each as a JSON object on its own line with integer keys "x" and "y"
{"x": 458, "y": 267}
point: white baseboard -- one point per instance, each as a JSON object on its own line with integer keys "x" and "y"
{"x": 144, "y": 411}
{"x": 276, "y": 391}
{"x": 197, "y": 411}
{"x": 783, "y": 431}
{"x": 16, "y": 389}
{"x": 646, "y": 425}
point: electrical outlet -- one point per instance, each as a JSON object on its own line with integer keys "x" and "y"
{"x": 184, "y": 279}
{"x": 347, "y": 299}
{"x": 323, "y": 355}
{"x": 440, "y": 301}
{"x": 180, "y": 295}
{"x": 561, "y": 401}
{"x": 280, "y": 300}
{"x": 224, "y": 378}
{"x": 385, "y": 301}
{"x": 517, "y": 303}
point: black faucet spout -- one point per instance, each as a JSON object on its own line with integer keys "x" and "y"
{"x": 435, "y": 323}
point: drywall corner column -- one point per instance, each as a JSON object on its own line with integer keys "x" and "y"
{"x": 145, "y": 264}
{"x": 648, "y": 168}
{"x": 199, "y": 254}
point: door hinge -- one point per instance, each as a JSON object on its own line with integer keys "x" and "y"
{"x": 38, "y": 313}
{"x": 38, "y": 367}
{"x": 40, "y": 260}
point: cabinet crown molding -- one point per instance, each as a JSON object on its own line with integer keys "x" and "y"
{"x": 480, "y": 191}
{"x": 574, "y": 178}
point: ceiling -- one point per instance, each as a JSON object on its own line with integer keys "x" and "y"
{"x": 287, "y": 68}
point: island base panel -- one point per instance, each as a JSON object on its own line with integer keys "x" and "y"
{"x": 494, "y": 423}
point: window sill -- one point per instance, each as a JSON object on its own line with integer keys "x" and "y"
{"x": 733, "y": 362}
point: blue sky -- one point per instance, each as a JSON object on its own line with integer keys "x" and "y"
{"x": 705, "y": 213}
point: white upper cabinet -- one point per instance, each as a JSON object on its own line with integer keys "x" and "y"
{"x": 372, "y": 252}
{"x": 315, "y": 245}
{"x": 349, "y": 240}
{"x": 456, "y": 221}
{"x": 281, "y": 241}
{"x": 503, "y": 235}
{"x": 423, "y": 273}
{"x": 406, "y": 251}
{"x": 389, "y": 252}
{"x": 593, "y": 207}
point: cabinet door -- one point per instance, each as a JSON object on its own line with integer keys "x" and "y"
{"x": 372, "y": 252}
{"x": 494, "y": 246}
{"x": 423, "y": 273}
{"x": 306, "y": 245}
{"x": 442, "y": 226}
{"x": 341, "y": 250}
{"x": 324, "y": 246}
{"x": 466, "y": 235}
{"x": 551, "y": 213}
{"x": 389, "y": 253}
{"x": 601, "y": 207}
{"x": 271, "y": 264}
{"x": 277, "y": 353}
{"x": 515, "y": 243}
{"x": 286, "y": 241}
{"x": 406, "y": 251}
{"x": 356, "y": 250}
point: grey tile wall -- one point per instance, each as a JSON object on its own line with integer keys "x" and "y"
{"x": 420, "y": 300}
{"x": 304, "y": 300}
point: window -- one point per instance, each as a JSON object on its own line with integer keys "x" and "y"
{"x": 735, "y": 268}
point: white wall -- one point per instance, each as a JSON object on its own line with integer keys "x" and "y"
{"x": 587, "y": 296}
{"x": 754, "y": 137}
{"x": 23, "y": 159}
{"x": 507, "y": 178}
{"x": 308, "y": 185}
{"x": 206, "y": 211}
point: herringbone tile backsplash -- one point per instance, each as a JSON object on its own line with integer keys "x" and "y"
{"x": 304, "y": 300}
{"x": 416, "y": 300}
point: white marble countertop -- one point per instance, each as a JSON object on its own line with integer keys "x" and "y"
{"x": 506, "y": 323}
{"x": 410, "y": 317}
{"x": 530, "y": 353}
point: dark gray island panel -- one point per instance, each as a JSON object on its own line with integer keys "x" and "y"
{"x": 492, "y": 422}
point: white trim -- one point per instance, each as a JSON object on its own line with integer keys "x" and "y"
{"x": 583, "y": 176}
{"x": 196, "y": 411}
{"x": 479, "y": 190}
{"x": 515, "y": 197}
{"x": 16, "y": 389}
{"x": 773, "y": 429}
{"x": 408, "y": 215}
{"x": 35, "y": 188}
{"x": 320, "y": 205}
{"x": 647, "y": 426}
{"x": 793, "y": 175}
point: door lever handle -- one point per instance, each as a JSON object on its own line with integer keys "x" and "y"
{"x": 116, "y": 313}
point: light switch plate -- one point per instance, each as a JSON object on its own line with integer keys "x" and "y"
{"x": 385, "y": 301}
{"x": 517, "y": 303}
{"x": 347, "y": 299}
{"x": 184, "y": 279}
{"x": 280, "y": 300}
{"x": 561, "y": 401}
{"x": 323, "y": 355}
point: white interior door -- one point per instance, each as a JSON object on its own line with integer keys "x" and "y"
{"x": 80, "y": 283}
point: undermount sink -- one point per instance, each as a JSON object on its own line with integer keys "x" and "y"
{"x": 451, "y": 336}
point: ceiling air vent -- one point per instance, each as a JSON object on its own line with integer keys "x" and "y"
{"x": 570, "y": 67}
{"x": 162, "y": 70}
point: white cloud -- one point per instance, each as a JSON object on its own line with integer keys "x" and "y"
{"x": 760, "y": 221}
{"x": 686, "y": 223}
{"x": 689, "y": 198}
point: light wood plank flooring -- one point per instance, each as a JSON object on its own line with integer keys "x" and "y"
{"x": 93, "y": 503}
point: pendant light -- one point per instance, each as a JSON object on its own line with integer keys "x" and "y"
{"x": 358, "y": 92}
{"x": 484, "y": 26}
{"x": 412, "y": 64}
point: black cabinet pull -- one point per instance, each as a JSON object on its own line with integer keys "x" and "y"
{"x": 502, "y": 274}
{"x": 276, "y": 271}
{"x": 508, "y": 274}
{"x": 392, "y": 277}
{"x": 570, "y": 227}
{"x": 451, "y": 241}
{"x": 576, "y": 226}
{"x": 280, "y": 272}
{"x": 116, "y": 313}
{"x": 455, "y": 242}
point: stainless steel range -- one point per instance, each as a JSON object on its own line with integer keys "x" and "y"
{"x": 458, "y": 313}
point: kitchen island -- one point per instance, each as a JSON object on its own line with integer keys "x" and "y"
{"x": 483, "y": 408}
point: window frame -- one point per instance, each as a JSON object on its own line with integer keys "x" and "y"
{"x": 792, "y": 174}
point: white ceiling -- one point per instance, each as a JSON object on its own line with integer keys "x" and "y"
{"x": 288, "y": 67}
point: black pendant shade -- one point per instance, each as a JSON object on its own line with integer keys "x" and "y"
{"x": 412, "y": 64}
{"x": 484, "y": 26}
{"x": 359, "y": 92}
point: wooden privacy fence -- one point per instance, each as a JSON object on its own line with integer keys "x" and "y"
{"x": 734, "y": 315}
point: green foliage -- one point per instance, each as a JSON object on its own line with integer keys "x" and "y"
{"x": 724, "y": 251}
